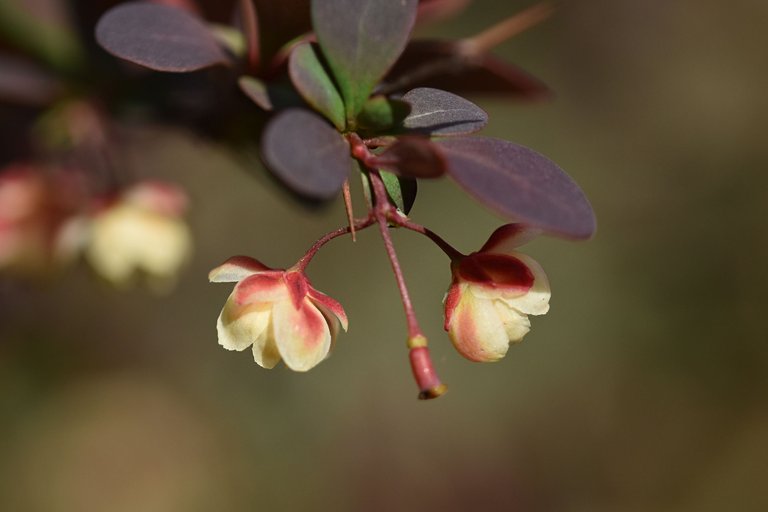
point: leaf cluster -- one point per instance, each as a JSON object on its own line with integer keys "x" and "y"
{"x": 355, "y": 95}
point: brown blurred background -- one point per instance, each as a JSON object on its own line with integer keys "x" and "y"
{"x": 642, "y": 389}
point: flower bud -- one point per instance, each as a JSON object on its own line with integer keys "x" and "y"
{"x": 492, "y": 293}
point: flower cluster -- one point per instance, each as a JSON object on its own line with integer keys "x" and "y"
{"x": 137, "y": 230}
{"x": 282, "y": 317}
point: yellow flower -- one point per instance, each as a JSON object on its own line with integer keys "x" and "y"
{"x": 143, "y": 230}
{"x": 492, "y": 293}
{"x": 277, "y": 312}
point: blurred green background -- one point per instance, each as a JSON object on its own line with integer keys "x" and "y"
{"x": 644, "y": 388}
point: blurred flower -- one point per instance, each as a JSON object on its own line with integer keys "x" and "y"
{"x": 492, "y": 293}
{"x": 141, "y": 230}
{"x": 31, "y": 216}
{"x": 278, "y": 312}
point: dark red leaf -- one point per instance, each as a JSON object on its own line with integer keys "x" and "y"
{"x": 437, "y": 112}
{"x": 307, "y": 153}
{"x": 361, "y": 39}
{"x": 23, "y": 82}
{"x": 159, "y": 37}
{"x": 414, "y": 156}
{"x": 520, "y": 184}
{"x": 443, "y": 64}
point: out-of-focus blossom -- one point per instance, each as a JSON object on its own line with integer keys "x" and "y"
{"x": 142, "y": 230}
{"x": 30, "y": 219}
{"x": 278, "y": 312}
{"x": 492, "y": 293}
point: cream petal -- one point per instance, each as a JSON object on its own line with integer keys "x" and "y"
{"x": 265, "y": 351}
{"x": 236, "y": 269}
{"x": 476, "y": 329}
{"x": 240, "y": 326}
{"x": 302, "y": 335}
{"x": 536, "y": 301}
{"x": 515, "y": 323}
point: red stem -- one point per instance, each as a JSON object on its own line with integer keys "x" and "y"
{"x": 358, "y": 225}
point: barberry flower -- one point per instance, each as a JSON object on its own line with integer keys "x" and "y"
{"x": 141, "y": 230}
{"x": 278, "y": 312}
{"x": 492, "y": 293}
{"x": 31, "y": 220}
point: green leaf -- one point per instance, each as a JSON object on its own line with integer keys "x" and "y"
{"x": 401, "y": 190}
{"x": 313, "y": 83}
{"x": 361, "y": 39}
{"x": 43, "y": 30}
{"x": 269, "y": 96}
{"x": 381, "y": 113}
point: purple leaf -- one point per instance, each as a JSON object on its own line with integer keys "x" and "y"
{"x": 23, "y": 82}
{"x": 361, "y": 40}
{"x": 416, "y": 157}
{"x": 313, "y": 83}
{"x": 159, "y": 37}
{"x": 437, "y": 112}
{"x": 520, "y": 184}
{"x": 445, "y": 65}
{"x": 307, "y": 153}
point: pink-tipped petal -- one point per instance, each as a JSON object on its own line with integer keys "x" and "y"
{"x": 477, "y": 331}
{"x": 302, "y": 335}
{"x": 451, "y": 301}
{"x": 236, "y": 269}
{"x": 239, "y": 326}
{"x": 509, "y": 237}
{"x": 264, "y": 287}
{"x": 330, "y": 307}
{"x": 536, "y": 300}
{"x": 496, "y": 275}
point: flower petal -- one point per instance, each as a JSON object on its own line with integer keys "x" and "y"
{"x": 508, "y": 237}
{"x": 496, "y": 275}
{"x": 515, "y": 323}
{"x": 302, "y": 335}
{"x": 451, "y": 300}
{"x": 261, "y": 288}
{"x": 239, "y": 326}
{"x": 265, "y": 351}
{"x": 329, "y": 307}
{"x": 476, "y": 329}
{"x": 536, "y": 301}
{"x": 236, "y": 269}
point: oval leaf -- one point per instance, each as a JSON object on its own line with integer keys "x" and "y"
{"x": 401, "y": 190}
{"x": 437, "y": 112}
{"x": 307, "y": 153}
{"x": 520, "y": 184}
{"x": 159, "y": 37}
{"x": 445, "y": 64}
{"x": 382, "y": 113}
{"x": 361, "y": 40}
{"x": 270, "y": 96}
{"x": 414, "y": 156}
{"x": 24, "y": 82}
{"x": 313, "y": 83}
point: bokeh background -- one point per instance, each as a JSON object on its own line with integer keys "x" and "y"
{"x": 643, "y": 389}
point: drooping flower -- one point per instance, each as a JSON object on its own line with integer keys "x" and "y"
{"x": 492, "y": 293}
{"x": 278, "y": 312}
{"x": 31, "y": 220}
{"x": 141, "y": 230}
